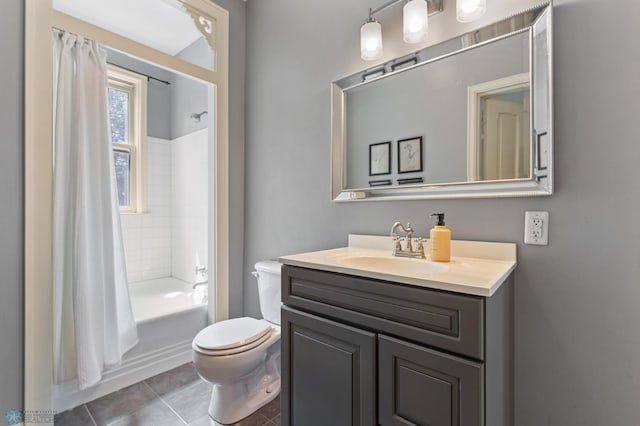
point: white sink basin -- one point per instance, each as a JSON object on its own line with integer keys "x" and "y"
{"x": 390, "y": 264}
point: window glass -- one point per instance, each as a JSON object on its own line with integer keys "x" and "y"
{"x": 119, "y": 114}
{"x": 122, "y": 161}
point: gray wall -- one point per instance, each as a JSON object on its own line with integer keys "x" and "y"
{"x": 576, "y": 300}
{"x": 11, "y": 218}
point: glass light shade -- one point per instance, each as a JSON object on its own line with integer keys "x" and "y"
{"x": 415, "y": 21}
{"x": 470, "y": 10}
{"x": 371, "y": 41}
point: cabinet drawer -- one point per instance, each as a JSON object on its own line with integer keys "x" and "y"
{"x": 421, "y": 386}
{"x": 450, "y": 321}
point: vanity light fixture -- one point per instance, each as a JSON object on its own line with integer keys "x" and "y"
{"x": 371, "y": 39}
{"x": 415, "y": 22}
{"x": 470, "y": 10}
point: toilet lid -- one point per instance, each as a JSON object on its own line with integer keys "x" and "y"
{"x": 232, "y": 351}
{"x": 232, "y": 333}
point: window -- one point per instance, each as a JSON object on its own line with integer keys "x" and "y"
{"x": 127, "y": 95}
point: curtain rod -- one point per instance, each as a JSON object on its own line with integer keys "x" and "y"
{"x": 149, "y": 77}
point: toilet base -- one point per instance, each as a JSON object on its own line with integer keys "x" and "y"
{"x": 233, "y": 402}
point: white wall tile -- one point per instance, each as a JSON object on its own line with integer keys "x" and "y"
{"x": 189, "y": 196}
{"x": 147, "y": 237}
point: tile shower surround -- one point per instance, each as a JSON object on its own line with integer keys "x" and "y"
{"x": 147, "y": 237}
{"x": 177, "y": 397}
{"x": 171, "y": 237}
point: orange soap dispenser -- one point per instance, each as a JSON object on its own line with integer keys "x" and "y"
{"x": 440, "y": 241}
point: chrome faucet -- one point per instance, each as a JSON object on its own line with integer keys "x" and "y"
{"x": 408, "y": 251}
{"x": 201, "y": 277}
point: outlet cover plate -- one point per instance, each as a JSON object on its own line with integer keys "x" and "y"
{"x": 536, "y": 228}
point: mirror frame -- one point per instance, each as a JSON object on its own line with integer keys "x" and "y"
{"x": 540, "y": 183}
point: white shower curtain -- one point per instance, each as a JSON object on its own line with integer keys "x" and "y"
{"x": 93, "y": 324}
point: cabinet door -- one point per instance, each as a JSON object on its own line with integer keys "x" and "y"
{"x": 328, "y": 372}
{"x": 421, "y": 386}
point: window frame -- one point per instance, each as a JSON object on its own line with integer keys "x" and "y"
{"x": 136, "y": 85}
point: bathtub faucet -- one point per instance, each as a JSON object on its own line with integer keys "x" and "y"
{"x": 201, "y": 278}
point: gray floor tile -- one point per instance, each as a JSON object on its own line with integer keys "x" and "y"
{"x": 174, "y": 380}
{"x": 202, "y": 421}
{"x": 122, "y": 403}
{"x": 184, "y": 398}
{"x": 253, "y": 420}
{"x": 78, "y": 416}
{"x": 190, "y": 403}
{"x": 272, "y": 409}
{"x": 154, "y": 414}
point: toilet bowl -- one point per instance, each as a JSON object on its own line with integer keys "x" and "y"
{"x": 241, "y": 357}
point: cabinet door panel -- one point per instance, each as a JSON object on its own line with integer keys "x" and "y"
{"x": 421, "y": 386}
{"x": 328, "y": 374}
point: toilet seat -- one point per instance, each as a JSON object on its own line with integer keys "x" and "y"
{"x": 232, "y": 336}
{"x": 232, "y": 351}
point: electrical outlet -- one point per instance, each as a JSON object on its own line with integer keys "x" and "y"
{"x": 536, "y": 228}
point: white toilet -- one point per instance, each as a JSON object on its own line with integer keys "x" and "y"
{"x": 241, "y": 356}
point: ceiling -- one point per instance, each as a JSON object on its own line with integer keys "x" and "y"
{"x": 161, "y": 24}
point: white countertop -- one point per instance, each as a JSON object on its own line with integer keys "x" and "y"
{"x": 477, "y": 268}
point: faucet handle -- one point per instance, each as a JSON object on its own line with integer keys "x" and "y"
{"x": 420, "y": 245}
{"x": 396, "y": 240}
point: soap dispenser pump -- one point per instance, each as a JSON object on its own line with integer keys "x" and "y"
{"x": 440, "y": 241}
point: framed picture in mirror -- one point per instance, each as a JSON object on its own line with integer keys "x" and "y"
{"x": 380, "y": 158}
{"x": 410, "y": 155}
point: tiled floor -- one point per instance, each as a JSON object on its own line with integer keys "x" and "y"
{"x": 178, "y": 397}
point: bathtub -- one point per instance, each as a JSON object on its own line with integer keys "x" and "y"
{"x": 168, "y": 313}
{"x": 154, "y": 299}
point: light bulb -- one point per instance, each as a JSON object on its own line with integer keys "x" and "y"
{"x": 371, "y": 40}
{"x": 415, "y": 21}
{"x": 470, "y": 10}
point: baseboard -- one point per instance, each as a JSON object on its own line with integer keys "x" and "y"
{"x": 131, "y": 371}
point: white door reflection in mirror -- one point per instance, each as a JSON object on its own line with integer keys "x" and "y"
{"x": 499, "y": 134}
{"x": 505, "y": 145}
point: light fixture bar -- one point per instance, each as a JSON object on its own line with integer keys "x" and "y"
{"x": 433, "y": 7}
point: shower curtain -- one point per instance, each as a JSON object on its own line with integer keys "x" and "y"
{"x": 93, "y": 324}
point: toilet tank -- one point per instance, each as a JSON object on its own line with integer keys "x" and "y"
{"x": 268, "y": 275}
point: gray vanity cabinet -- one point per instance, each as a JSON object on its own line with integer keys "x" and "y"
{"x": 359, "y": 351}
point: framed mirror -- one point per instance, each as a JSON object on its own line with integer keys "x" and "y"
{"x": 469, "y": 117}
